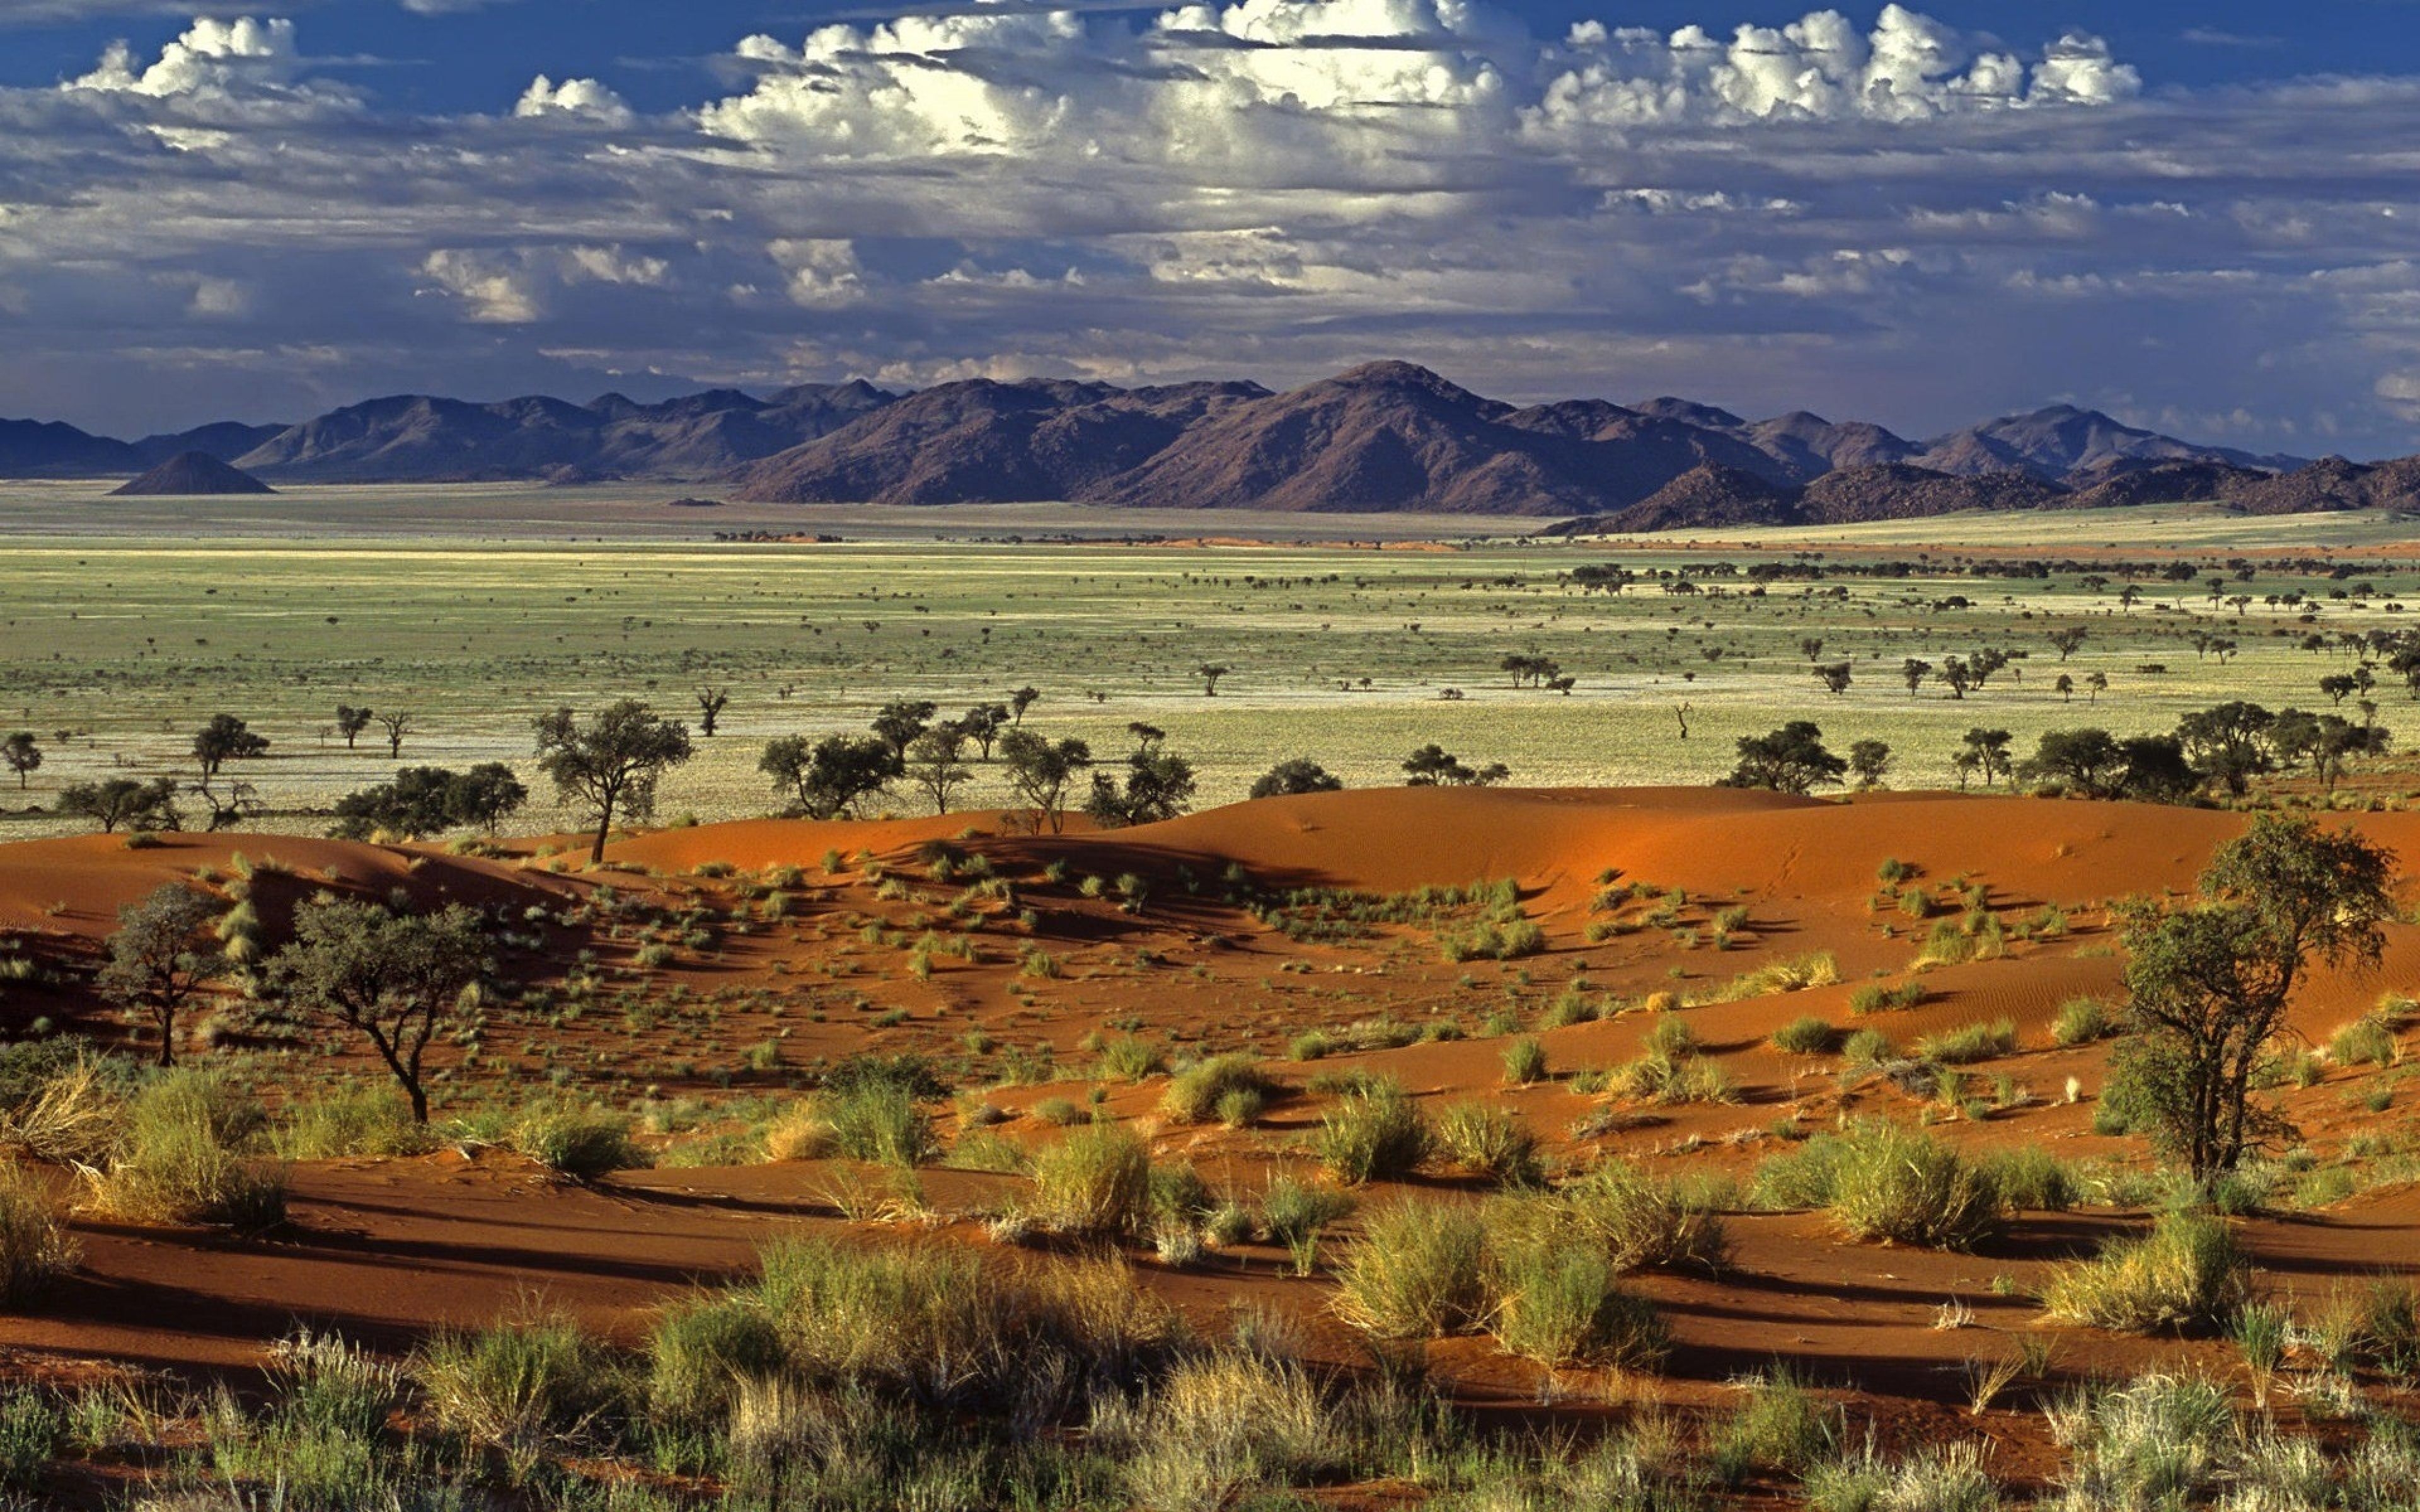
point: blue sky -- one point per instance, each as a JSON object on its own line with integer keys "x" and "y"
{"x": 2198, "y": 217}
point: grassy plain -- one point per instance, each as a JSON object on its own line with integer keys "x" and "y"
{"x": 476, "y": 608}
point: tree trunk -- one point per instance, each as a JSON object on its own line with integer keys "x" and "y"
{"x": 604, "y": 827}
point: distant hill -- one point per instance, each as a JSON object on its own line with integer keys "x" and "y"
{"x": 192, "y": 475}
{"x": 1383, "y": 435}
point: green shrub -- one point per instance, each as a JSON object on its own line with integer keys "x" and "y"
{"x": 359, "y": 1120}
{"x": 1667, "y": 1035}
{"x": 1557, "y": 1301}
{"x": 1641, "y": 1220}
{"x": 2081, "y": 1021}
{"x": 1885, "y": 1182}
{"x": 1525, "y": 1062}
{"x": 1127, "y": 1058}
{"x": 1657, "y": 1077}
{"x": 1868, "y": 1048}
{"x": 1488, "y": 1141}
{"x": 1095, "y": 1180}
{"x": 1806, "y": 1036}
{"x": 1969, "y": 1044}
{"x": 877, "y": 1120}
{"x": 702, "y": 1349}
{"x": 1874, "y": 997}
{"x": 1418, "y": 1271}
{"x": 32, "y": 1432}
{"x": 582, "y": 1142}
{"x": 1372, "y": 1132}
{"x": 2188, "y": 1272}
{"x": 35, "y": 1245}
{"x": 1194, "y": 1094}
{"x": 177, "y": 1159}
{"x": 1781, "y": 1428}
{"x": 2030, "y": 1177}
{"x": 2367, "y": 1040}
{"x": 518, "y": 1384}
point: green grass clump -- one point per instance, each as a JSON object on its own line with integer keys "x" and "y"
{"x": 2366, "y": 1040}
{"x": 1816, "y": 968}
{"x": 703, "y": 1350}
{"x": 519, "y": 1384}
{"x": 1418, "y": 1270}
{"x": 2189, "y": 1272}
{"x": 1806, "y": 1036}
{"x": 1525, "y": 1062}
{"x": 179, "y": 1159}
{"x": 1970, "y": 1043}
{"x": 1672, "y": 1079}
{"x": 1874, "y": 997}
{"x": 2081, "y": 1021}
{"x": 1372, "y": 1132}
{"x": 1781, "y": 1428}
{"x": 1096, "y": 1181}
{"x": 36, "y": 1248}
{"x": 361, "y": 1120}
{"x": 1194, "y": 1094}
{"x": 1128, "y": 1059}
{"x": 875, "y": 1119}
{"x": 1868, "y": 1048}
{"x": 1641, "y": 1220}
{"x": 1488, "y": 1141}
{"x": 2029, "y": 1176}
{"x": 582, "y": 1142}
{"x": 1557, "y": 1299}
{"x": 1885, "y": 1182}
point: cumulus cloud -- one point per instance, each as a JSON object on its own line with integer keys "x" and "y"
{"x": 1836, "y": 211}
{"x": 583, "y": 99}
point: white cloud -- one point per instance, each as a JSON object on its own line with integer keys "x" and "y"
{"x": 1836, "y": 210}
{"x": 582, "y": 99}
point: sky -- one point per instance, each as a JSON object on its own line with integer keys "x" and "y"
{"x": 2201, "y": 218}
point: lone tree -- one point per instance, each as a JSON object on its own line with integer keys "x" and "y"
{"x": 1990, "y": 749}
{"x": 161, "y": 957}
{"x": 828, "y": 777}
{"x": 1870, "y": 763}
{"x": 711, "y": 701}
{"x": 1298, "y": 774}
{"x": 1040, "y": 771}
{"x": 1433, "y": 766}
{"x": 1789, "y": 760}
{"x": 2067, "y": 640}
{"x": 1210, "y": 672}
{"x": 1836, "y": 677}
{"x": 898, "y": 724}
{"x": 1021, "y": 700}
{"x": 1159, "y": 784}
{"x": 123, "y": 800}
{"x": 610, "y": 764}
{"x": 226, "y": 739}
{"x": 396, "y": 726}
{"x": 936, "y": 765}
{"x": 23, "y": 754}
{"x": 392, "y": 978}
{"x": 350, "y": 722}
{"x": 2210, "y": 985}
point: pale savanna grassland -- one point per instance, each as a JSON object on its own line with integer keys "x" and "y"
{"x": 474, "y": 609}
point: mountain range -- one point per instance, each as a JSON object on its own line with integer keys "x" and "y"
{"x": 1384, "y": 435}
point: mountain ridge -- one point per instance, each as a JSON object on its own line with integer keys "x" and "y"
{"x": 1386, "y": 435}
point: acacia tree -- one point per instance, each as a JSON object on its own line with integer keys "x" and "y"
{"x": 123, "y": 800}
{"x": 830, "y": 775}
{"x": 711, "y": 701}
{"x": 935, "y": 764}
{"x": 396, "y": 726}
{"x": 1870, "y": 763}
{"x": 1433, "y": 766}
{"x": 161, "y": 957}
{"x": 391, "y": 977}
{"x": 1210, "y": 672}
{"x": 2209, "y": 986}
{"x": 899, "y": 723}
{"x": 982, "y": 724}
{"x": 226, "y": 739}
{"x": 1297, "y": 774}
{"x": 23, "y": 754}
{"x": 1042, "y": 770}
{"x": 610, "y": 764}
{"x": 1791, "y": 759}
{"x": 350, "y": 722}
{"x": 1159, "y": 784}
